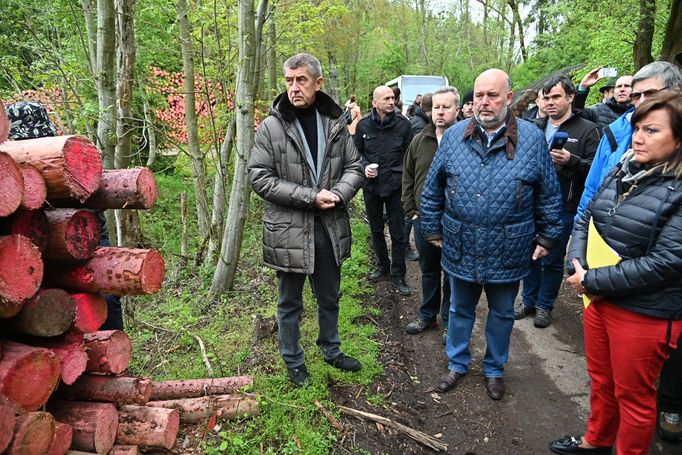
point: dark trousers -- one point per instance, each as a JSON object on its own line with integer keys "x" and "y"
{"x": 325, "y": 283}
{"x": 374, "y": 206}
{"x": 432, "y": 273}
{"x": 670, "y": 387}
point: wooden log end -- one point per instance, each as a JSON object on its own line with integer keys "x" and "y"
{"x": 61, "y": 441}
{"x": 140, "y": 425}
{"x": 109, "y": 351}
{"x": 83, "y": 166}
{"x": 11, "y": 185}
{"x": 30, "y": 374}
{"x": 50, "y": 312}
{"x": 34, "y": 225}
{"x": 35, "y": 189}
{"x": 82, "y": 234}
{"x": 91, "y": 312}
{"x": 21, "y": 271}
{"x": 7, "y": 422}
{"x": 33, "y": 433}
{"x": 153, "y": 272}
{"x": 74, "y": 360}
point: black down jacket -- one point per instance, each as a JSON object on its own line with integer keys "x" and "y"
{"x": 645, "y": 229}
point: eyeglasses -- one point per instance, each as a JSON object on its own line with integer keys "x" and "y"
{"x": 634, "y": 96}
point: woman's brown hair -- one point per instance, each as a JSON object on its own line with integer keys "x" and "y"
{"x": 671, "y": 102}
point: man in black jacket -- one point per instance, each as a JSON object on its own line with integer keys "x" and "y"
{"x": 603, "y": 113}
{"x": 571, "y": 162}
{"x": 382, "y": 139}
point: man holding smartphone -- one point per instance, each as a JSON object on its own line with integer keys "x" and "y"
{"x": 605, "y": 112}
{"x": 573, "y": 142}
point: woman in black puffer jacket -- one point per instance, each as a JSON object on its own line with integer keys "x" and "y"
{"x": 635, "y": 315}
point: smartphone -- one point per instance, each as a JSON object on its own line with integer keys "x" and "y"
{"x": 558, "y": 140}
{"x": 608, "y": 72}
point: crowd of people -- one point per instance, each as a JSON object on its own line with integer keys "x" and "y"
{"x": 498, "y": 203}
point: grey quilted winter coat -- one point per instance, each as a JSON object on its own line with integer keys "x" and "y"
{"x": 491, "y": 205}
{"x": 280, "y": 174}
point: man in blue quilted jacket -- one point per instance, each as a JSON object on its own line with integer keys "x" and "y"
{"x": 492, "y": 202}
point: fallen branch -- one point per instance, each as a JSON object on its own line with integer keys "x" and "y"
{"x": 418, "y": 436}
{"x": 332, "y": 420}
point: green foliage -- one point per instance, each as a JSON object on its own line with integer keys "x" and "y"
{"x": 164, "y": 328}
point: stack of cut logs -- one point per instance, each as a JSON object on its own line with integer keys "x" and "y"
{"x": 61, "y": 386}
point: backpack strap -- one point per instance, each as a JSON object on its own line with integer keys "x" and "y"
{"x": 611, "y": 138}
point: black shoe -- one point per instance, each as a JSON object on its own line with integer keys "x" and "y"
{"x": 571, "y": 444}
{"x": 521, "y": 311}
{"x": 377, "y": 275}
{"x": 403, "y": 288}
{"x": 418, "y": 326}
{"x": 543, "y": 318}
{"x": 449, "y": 381}
{"x": 344, "y": 363}
{"x": 299, "y": 376}
{"x": 494, "y": 387}
{"x": 670, "y": 426}
{"x": 411, "y": 254}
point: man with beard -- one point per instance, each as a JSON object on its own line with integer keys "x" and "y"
{"x": 491, "y": 201}
{"x": 417, "y": 162}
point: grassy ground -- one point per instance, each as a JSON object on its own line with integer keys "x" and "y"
{"x": 165, "y": 327}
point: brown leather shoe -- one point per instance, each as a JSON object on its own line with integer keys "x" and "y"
{"x": 449, "y": 381}
{"x": 494, "y": 387}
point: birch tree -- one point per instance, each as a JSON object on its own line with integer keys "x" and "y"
{"x": 106, "y": 80}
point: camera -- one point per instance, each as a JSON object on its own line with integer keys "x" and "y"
{"x": 608, "y": 72}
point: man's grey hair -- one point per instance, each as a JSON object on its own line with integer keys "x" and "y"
{"x": 666, "y": 72}
{"x": 448, "y": 89}
{"x": 307, "y": 60}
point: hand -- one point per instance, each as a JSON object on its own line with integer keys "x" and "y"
{"x": 540, "y": 252}
{"x": 576, "y": 280}
{"x": 370, "y": 173}
{"x": 560, "y": 156}
{"x": 591, "y": 78}
{"x": 437, "y": 243}
{"x": 325, "y": 199}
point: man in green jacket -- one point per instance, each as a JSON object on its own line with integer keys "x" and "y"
{"x": 305, "y": 166}
{"x": 420, "y": 153}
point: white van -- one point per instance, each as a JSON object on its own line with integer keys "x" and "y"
{"x": 411, "y": 86}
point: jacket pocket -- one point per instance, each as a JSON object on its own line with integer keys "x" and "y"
{"x": 451, "y": 188}
{"x": 518, "y": 244}
{"x": 452, "y": 239}
{"x": 524, "y": 195}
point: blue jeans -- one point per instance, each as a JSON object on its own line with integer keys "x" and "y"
{"x": 374, "y": 207}
{"x": 325, "y": 283}
{"x": 541, "y": 286}
{"x": 498, "y": 327}
{"x": 429, "y": 263}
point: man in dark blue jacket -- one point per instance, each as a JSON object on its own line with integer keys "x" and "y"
{"x": 491, "y": 200}
{"x": 382, "y": 139}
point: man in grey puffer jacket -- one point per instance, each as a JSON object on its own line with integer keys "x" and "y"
{"x": 306, "y": 167}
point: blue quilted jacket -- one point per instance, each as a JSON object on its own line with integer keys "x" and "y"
{"x": 491, "y": 205}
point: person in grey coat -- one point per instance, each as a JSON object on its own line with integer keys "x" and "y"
{"x": 305, "y": 166}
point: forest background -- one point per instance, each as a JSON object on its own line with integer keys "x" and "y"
{"x": 179, "y": 85}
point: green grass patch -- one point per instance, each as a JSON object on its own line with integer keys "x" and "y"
{"x": 165, "y": 327}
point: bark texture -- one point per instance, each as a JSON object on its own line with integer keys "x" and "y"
{"x": 143, "y": 426}
{"x": 189, "y": 388}
{"x": 195, "y": 410}
{"x": 111, "y": 389}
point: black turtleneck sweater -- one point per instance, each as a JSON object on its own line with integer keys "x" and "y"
{"x": 308, "y": 118}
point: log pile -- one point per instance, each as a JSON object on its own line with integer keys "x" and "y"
{"x": 62, "y": 380}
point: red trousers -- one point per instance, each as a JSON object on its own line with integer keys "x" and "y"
{"x": 625, "y": 353}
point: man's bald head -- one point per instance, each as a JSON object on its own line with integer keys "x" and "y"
{"x": 492, "y": 96}
{"x": 383, "y": 100}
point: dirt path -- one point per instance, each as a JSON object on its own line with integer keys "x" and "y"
{"x": 547, "y": 386}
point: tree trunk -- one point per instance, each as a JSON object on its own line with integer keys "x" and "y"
{"x": 223, "y": 278}
{"x": 127, "y": 52}
{"x": 645, "y": 34}
{"x": 133, "y": 188}
{"x": 70, "y": 165}
{"x": 109, "y": 351}
{"x": 156, "y": 427}
{"x": 74, "y": 234}
{"x": 91, "y": 29}
{"x": 48, "y": 313}
{"x": 190, "y": 388}
{"x": 150, "y": 129}
{"x": 111, "y": 389}
{"x": 33, "y": 433}
{"x": 21, "y": 272}
{"x": 7, "y": 421}
{"x": 193, "y": 148}
{"x": 220, "y": 190}
{"x": 514, "y": 5}
{"x": 94, "y": 424}
{"x": 91, "y": 312}
{"x": 32, "y": 224}
{"x": 124, "y": 450}
{"x": 11, "y": 185}
{"x": 672, "y": 41}
{"x": 273, "y": 64}
{"x": 112, "y": 270}
{"x": 35, "y": 189}
{"x": 28, "y": 375}
{"x": 195, "y": 410}
{"x": 61, "y": 441}
{"x": 106, "y": 80}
